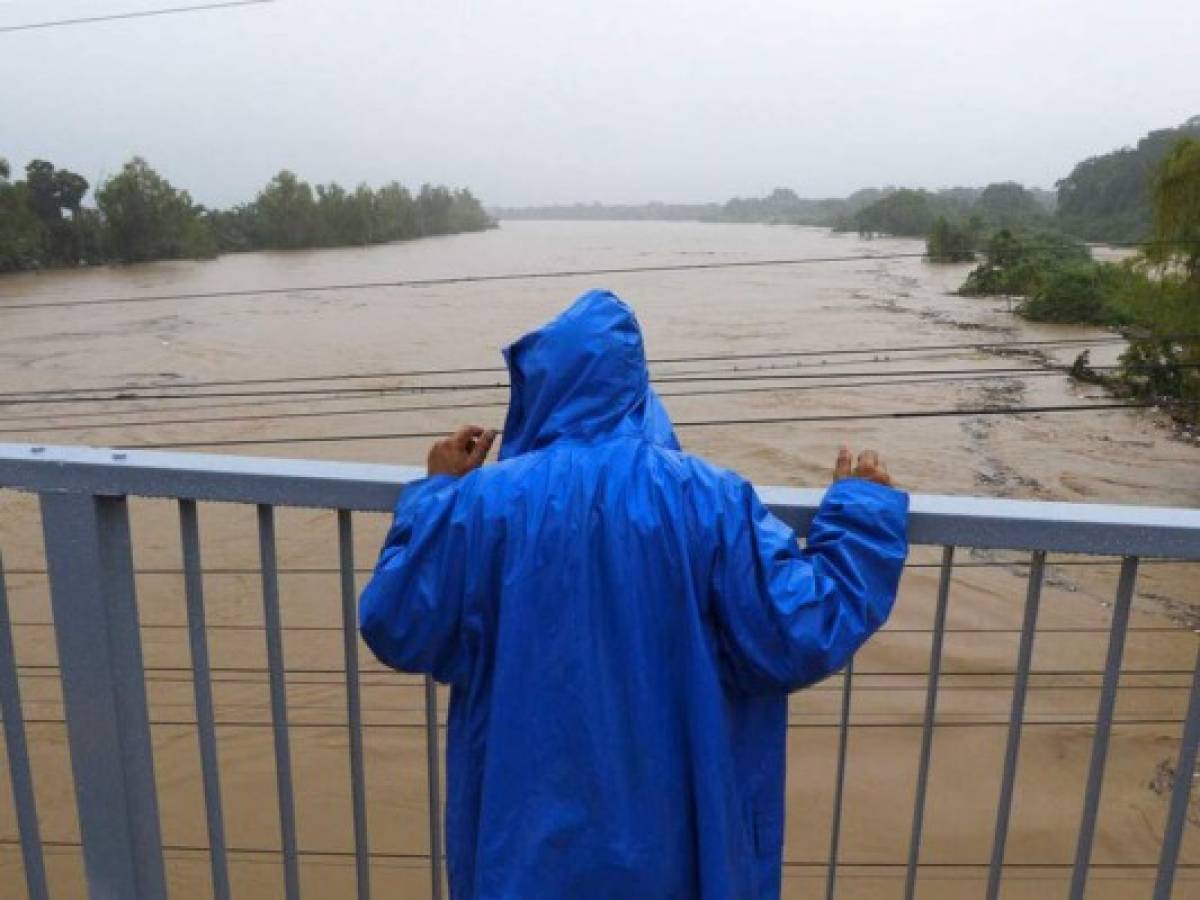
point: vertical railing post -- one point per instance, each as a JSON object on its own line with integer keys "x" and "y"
{"x": 104, "y": 693}
{"x": 435, "y": 789}
{"x": 362, "y": 854}
{"x": 277, "y": 679}
{"x": 19, "y": 772}
{"x": 1104, "y": 721}
{"x": 206, "y": 730}
{"x": 835, "y": 828}
{"x": 1181, "y": 791}
{"x": 1033, "y": 597}
{"x": 931, "y": 695}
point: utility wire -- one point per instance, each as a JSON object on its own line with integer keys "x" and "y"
{"x": 334, "y": 397}
{"x": 707, "y": 423}
{"x": 319, "y": 853}
{"x": 508, "y": 276}
{"x": 494, "y": 404}
{"x": 140, "y": 14}
{"x": 306, "y": 393}
{"x": 459, "y": 279}
{"x": 673, "y": 360}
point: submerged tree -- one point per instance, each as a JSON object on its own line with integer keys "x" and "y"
{"x": 952, "y": 241}
{"x": 146, "y": 217}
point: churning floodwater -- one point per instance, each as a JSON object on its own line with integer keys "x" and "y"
{"x": 885, "y": 310}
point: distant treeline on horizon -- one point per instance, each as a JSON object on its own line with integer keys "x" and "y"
{"x": 1104, "y": 198}
{"x": 139, "y": 216}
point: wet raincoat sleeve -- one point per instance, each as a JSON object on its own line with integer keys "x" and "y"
{"x": 411, "y": 614}
{"x": 789, "y": 617}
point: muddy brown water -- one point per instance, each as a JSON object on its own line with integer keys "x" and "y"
{"x": 1118, "y": 457}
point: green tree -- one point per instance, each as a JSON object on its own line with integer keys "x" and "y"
{"x": 21, "y": 232}
{"x": 1076, "y": 293}
{"x": 360, "y": 220}
{"x": 395, "y": 213}
{"x": 467, "y": 214}
{"x": 50, "y": 191}
{"x": 952, "y": 241}
{"x": 1020, "y": 262}
{"x": 1176, "y": 218}
{"x": 1007, "y": 204}
{"x": 145, "y": 217}
{"x": 1108, "y": 197}
{"x": 1164, "y": 361}
{"x": 433, "y": 209}
{"x": 287, "y": 213}
{"x": 904, "y": 212}
{"x": 69, "y": 190}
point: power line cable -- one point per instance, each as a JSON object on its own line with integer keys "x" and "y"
{"x": 707, "y": 423}
{"x": 495, "y": 404}
{"x": 457, "y": 279}
{"x": 417, "y": 389}
{"x": 138, "y": 14}
{"x": 676, "y": 360}
{"x": 509, "y": 276}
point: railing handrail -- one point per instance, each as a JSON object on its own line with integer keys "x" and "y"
{"x": 983, "y": 522}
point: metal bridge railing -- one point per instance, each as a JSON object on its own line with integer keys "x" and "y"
{"x": 89, "y": 563}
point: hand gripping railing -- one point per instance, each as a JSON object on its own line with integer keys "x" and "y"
{"x": 86, "y": 529}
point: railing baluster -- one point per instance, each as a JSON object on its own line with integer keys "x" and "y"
{"x": 434, "y": 763}
{"x": 931, "y": 692}
{"x": 835, "y": 830}
{"x": 1185, "y": 773}
{"x": 279, "y": 719}
{"x": 1104, "y": 717}
{"x": 99, "y": 645}
{"x": 362, "y": 858}
{"x": 19, "y": 772}
{"x": 1033, "y": 598}
{"x": 193, "y": 581}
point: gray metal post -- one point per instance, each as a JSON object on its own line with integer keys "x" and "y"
{"x": 435, "y": 789}
{"x": 19, "y": 772}
{"x": 104, "y": 694}
{"x": 1033, "y": 597}
{"x": 835, "y": 829}
{"x": 362, "y": 855}
{"x": 1181, "y": 792}
{"x": 206, "y": 733}
{"x": 931, "y": 693}
{"x": 277, "y": 676}
{"x": 1104, "y": 720}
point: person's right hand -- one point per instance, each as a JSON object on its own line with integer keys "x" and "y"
{"x": 869, "y": 467}
{"x": 461, "y": 452}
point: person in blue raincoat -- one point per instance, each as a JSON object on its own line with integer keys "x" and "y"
{"x": 620, "y": 624}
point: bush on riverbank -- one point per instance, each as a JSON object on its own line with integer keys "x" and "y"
{"x": 1018, "y": 263}
{"x": 1077, "y": 293}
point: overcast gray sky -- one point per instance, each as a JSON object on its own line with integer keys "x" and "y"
{"x": 534, "y": 102}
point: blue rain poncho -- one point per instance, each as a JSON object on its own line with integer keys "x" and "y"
{"x": 620, "y": 623}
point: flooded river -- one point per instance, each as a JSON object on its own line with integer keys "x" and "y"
{"x": 886, "y": 309}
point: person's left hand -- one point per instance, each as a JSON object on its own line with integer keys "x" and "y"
{"x": 869, "y": 467}
{"x": 462, "y": 452}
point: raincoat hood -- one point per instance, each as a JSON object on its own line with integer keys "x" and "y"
{"x": 582, "y": 378}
